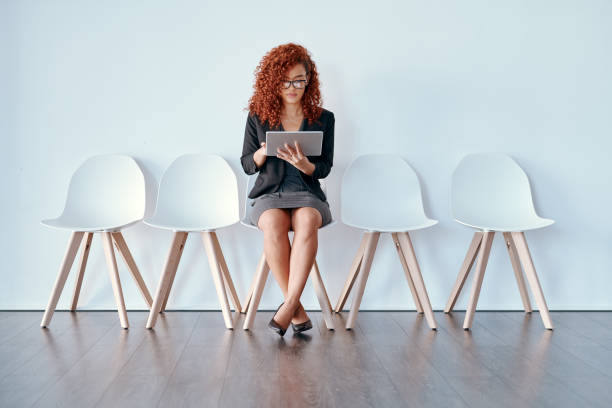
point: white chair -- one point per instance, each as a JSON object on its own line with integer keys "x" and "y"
{"x": 251, "y": 303}
{"x": 106, "y": 194}
{"x": 197, "y": 193}
{"x": 381, "y": 193}
{"x": 490, "y": 192}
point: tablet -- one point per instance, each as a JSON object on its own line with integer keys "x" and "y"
{"x": 310, "y": 141}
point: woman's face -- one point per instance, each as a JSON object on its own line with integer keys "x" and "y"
{"x": 294, "y": 94}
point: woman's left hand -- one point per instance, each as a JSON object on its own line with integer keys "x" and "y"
{"x": 295, "y": 156}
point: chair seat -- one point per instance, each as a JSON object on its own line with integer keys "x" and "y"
{"x": 396, "y": 227}
{"x": 508, "y": 225}
{"x": 186, "y": 225}
{"x": 86, "y": 224}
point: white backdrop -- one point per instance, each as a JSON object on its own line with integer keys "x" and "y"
{"x": 431, "y": 81}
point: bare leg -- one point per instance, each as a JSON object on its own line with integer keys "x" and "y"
{"x": 305, "y": 222}
{"x": 275, "y": 224}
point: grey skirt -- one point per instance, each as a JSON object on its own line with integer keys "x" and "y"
{"x": 289, "y": 199}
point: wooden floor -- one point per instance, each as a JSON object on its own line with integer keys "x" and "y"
{"x": 391, "y": 359}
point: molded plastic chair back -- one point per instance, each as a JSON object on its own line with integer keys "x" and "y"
{"x": 106, "y": 192}
{"x": 381, "y": 192}
{"x": 198, "y": 192}
{"x": 490, "y": 191}
{"x": 248, "y": 208}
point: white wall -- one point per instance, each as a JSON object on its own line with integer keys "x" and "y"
{"x": 431, "y": 81}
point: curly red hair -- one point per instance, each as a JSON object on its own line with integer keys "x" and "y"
{"x": 266, "y": 101}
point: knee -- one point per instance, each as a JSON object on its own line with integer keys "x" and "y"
{"x": 274, "y": 226}
{"x": 307, "y": 223}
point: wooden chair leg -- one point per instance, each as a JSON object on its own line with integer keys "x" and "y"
{"x": 368, "y": 256}
{"x": 354, "y": 271}
{"x": 73, "y": 247}
{"x": 532, "y": 277}
{"x": 413, "y": 267}
{"x": 213, "y": 262}
{"x": 168, "y": 289}
{"x": 415, "y": 296}
{"x": 247, "y": 301}
{"x": 464, "y": 271}
{"x": 260, "y": 281}
{"x": 481, "y": 265}
{"x": 319, "y": 288}
{"x": 82, "y": 264}
{"x": 131, "y": 264}
{"x": 173, "y": 269}
{"x": 176, "y": 249}
{"x": 226, "y": 275}
{"x": 518, "y": 272}
{"x": 107, "y": 240}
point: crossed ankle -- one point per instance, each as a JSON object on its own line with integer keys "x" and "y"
{"x": 293, "y": 302}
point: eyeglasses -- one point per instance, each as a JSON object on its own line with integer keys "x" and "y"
{"x": 297, "y": 83}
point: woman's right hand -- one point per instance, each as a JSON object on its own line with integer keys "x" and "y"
{"x": 260, "y": 155}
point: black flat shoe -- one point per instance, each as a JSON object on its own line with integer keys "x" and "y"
{"x": 301, "y": 327}
{"x": 275, "y": 326}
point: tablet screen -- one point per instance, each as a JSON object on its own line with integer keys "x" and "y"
{"x": 310, "y": 141}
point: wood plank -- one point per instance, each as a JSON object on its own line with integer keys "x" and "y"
{"x": 585, "y": 339}
{"x": 25, "y": 344}
{"x": 388, "y": 359}
{"x": 557, "y": 351}
{"x": 87, "y": 380}
{"x": 466, "y": 374}
{"x": 198, "y": 377}
{"x": 15, "y": 323}
{"x": 24, "y": 386}
{"x": 305, "y": 381}
{"x": 252, "y": 376}
{"x": 604, "y": 317}
{"x": 523, "y": 373}
{"x": 416, "y": 379}
{"x": 358, "y": 379}
{"x": 143, "y": 379}
{"x": 4, "y": 314}
{"x": 439, "y": 348}
{"x": 584, "y": 327}
{"x": 559, "y": 360}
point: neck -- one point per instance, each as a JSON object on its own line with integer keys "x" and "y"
{"x": 292, "y": 109}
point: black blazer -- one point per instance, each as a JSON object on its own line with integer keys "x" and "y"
{"x": 273, "y": 170}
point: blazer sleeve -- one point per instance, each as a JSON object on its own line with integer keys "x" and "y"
{"x": 250, "y": 146}
{"x": 324, "y": 163}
